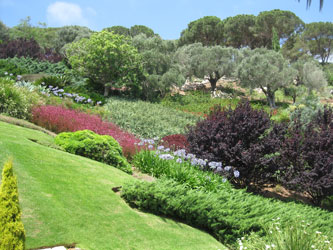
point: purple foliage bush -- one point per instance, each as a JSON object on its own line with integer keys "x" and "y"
{"x": 238, "y": 138}
{"x": 175, "y": 142}
{"x": 306, "y": 161}
{"x": 22, "y": 47}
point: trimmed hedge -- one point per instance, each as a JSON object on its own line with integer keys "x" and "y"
{"x": 103, "y": 148}
{"x": 228, "y": 214}
{"x": 12, "y": 234}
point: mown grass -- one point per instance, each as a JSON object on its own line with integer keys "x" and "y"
{"x": 67, "y": 198}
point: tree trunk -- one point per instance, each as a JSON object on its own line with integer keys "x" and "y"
{"x": 213, "y": 82}
{"x": 271, "y": 99}
{"x": 106, "y": 90}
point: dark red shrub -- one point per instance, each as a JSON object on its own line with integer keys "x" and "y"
{"x": 175, "y": 142}
{"x": 22, "y": 47}
{"x": 59, "y": 119}
{"x": 307, "y": 156}
{"x": 237, "y": 138}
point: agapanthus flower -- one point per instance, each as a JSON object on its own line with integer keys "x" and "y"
{"x": 236, "y": 173}
{"x": 166, "y": 157}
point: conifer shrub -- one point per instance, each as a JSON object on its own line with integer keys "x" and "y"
{"x": 241, "y": 138}
{"x": 101, "y": 148}
{"x": 227, "y": 214}
{"x": 12, "y": 234}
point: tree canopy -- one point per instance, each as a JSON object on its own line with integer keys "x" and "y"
{"x": 213, "y": 62}
{"x": 319, "y": 39}
{"x": 239, "y": 31}
{"x": 267, "y": 70}
{"x": 207, "y": 30}
{"x": 107, "y": 59}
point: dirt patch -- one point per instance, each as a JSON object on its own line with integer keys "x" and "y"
{"x": 137, "y": 174}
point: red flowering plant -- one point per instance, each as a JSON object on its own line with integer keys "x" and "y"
{"x": 59, "y": 119}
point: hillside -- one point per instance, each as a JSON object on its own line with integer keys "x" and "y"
{"x": 67, "y": 198}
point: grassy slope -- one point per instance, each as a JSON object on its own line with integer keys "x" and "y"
{"x": 67, "y": 198}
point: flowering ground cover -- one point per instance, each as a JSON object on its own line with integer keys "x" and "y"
{"x": 67, "y": 198}
{"x": 59, "y": 119}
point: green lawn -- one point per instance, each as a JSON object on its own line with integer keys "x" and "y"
{"x": 67, "y": 198}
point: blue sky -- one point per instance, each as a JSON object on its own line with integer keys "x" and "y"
{"x": 167, "y": 18}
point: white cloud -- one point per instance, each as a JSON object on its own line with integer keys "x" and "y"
{"x": 64, "y": 13}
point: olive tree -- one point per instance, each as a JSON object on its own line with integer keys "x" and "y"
{"x": 157, "y": 57}
{"x": 212, "y": 62}
{"x": 267, "y": 70}
{"x": 108, "y": 59}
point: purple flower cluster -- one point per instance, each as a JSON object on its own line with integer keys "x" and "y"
{"x": 61, "y": 93}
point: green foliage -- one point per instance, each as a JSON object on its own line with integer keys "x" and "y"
{"x": 101, "y": 148}
{"x": 198, "y": 102}
{"x": 146, "y": 119}
{"x": 108, "y": 59}
{"x": 33, "y": 66}
{"x": 120, "y": 30}
{"x": 319, "y": 38}
{"x": 207, "y": 30}
{"x": 10, "y": 67}
{"x": 16, "y": 101}
{"x": 267, "y": 70}
{"x": 238, "y": 31}
{"x": 141, "y": 29}
{"x": 328, "y": 69}
{"x": 227, "y": 214}
{"x": 286, "y": 23}
{"x": 157, "y": 55}
{"x": 293, "y": 235}
{"x": 4, "y": 32}
{"x": 275, "y": 40}
{"x": 70, "y": 34}
{"x": 54, "y": 80}
{"x": 11, "y": 227}
{"x": 150, "y": 163}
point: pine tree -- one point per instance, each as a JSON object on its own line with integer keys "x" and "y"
{"x": 12, "y": 234}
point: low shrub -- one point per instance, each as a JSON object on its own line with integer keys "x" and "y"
{"x": 148, "y": 120}
{"x": 11, "y": 226}
{"x": 240, "y": 138}
{"x": 7, "y": 68}
{"x": 101, "y": 148}
{"x": 175, "y": 142}
{"x": 35, "y": 66}
{"x": 59, "y": 119}
{"x": 16, "y": 101}
{"x": 228, "y": 214}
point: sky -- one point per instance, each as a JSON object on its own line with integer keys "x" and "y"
{"x": 166, "y": 17}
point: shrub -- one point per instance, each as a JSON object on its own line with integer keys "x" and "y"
{"x": 148, "y": 120}
{"x": 175, "y": 142}
{"x": 59, "y": 119}
{"x": 22, "y": 47}
{"x": 101, "y": 148}
{"x": 16, "y": 101}
{"x": 11, "y": 227}
{"x": 10, "y": 68}
{"x": 35, "y": 66}
{"x": 238, "y": 138}
{"x": 227, "y": 214}
{"x": 307, "y": 156}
